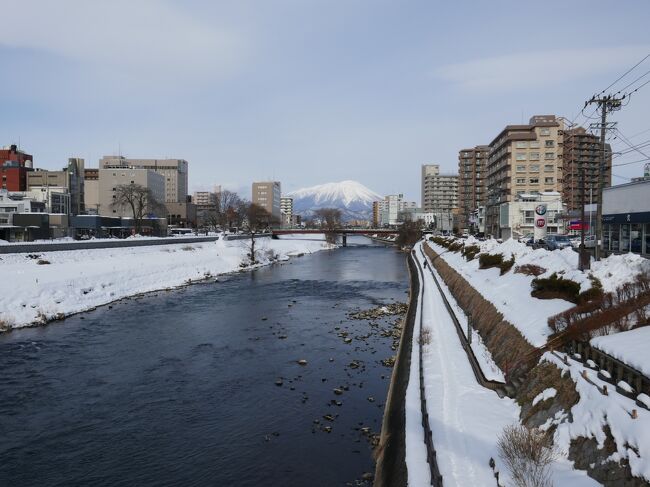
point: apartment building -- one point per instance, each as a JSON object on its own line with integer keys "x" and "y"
{"x": 524, "y": 159}
{"x": 173, "y": 171}
{"x": 286, "y": 208}
{"x": 439, "y": 191}
{"x": 111, "y": 177}
{"x": 267, "y": 194}
{"x": 582, "y": 150}
{"x": 472, "y": 167}
{"x": 391, "y": 208}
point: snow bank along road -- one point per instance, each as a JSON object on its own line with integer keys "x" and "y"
{"x": 465, "y": 418}
{"x": 60, "y": 283}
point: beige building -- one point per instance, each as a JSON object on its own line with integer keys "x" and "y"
{"x": 112, "y": 177}
{"x": 524, "y": 159}
{"x": 267, "y": 194}
{"x": 439, "y": 191}
{"x": 70, "y": 178}
{"x": 472, "y": 167}
{"x": 581, "y": 150}
{"x": 91, "y": 191}
{"x": 174, "y": 172}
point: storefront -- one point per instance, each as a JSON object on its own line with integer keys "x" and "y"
{"x": 626, "y": 218}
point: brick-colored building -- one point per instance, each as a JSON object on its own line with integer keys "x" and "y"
{"x": 472, "y": 167}
{"x": 14, "y": 166}
{"x": 582, "y": 150}
{"x": 524, "y": 159}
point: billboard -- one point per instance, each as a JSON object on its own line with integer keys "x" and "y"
{"x": 540, "y": 221}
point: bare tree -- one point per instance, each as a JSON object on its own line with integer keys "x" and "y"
{"x": 527, "y": 453}
{"x": 256, "y": 220}
{"x": 139, "y": 199}
{"x": 226, "y": 212}
{"x": 409, "y": 232}
{"x": 330, "y": 221}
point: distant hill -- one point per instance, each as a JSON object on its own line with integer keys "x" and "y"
{"x": 352, "y": 198}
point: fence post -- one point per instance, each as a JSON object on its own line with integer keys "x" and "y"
{"x": 469, "y": 329}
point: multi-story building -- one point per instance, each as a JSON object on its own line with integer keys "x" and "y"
{"x": 377, "y": 206}
{"x": 174, "y": 172}
{"x": 286, "y": 208}
{"x": 472, "y": 165}
{"x": 524, "y": 159}
{"x": 91, "y": 191}
{"x": 14, "y": 166}
{"x": 112, "y": 177}
{"x": 392, "y": 207}
{"x": 204, "y": 199}
{"x": 582, "y": 151}
{"x": 70, "y": 179}
{"x": 267, "y": 194}
{"x": 439, "y": 191}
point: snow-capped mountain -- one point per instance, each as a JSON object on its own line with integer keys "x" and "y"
{"x": 352, "y": 198}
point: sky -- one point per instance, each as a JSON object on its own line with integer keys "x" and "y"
{"x": 309, "y": 91}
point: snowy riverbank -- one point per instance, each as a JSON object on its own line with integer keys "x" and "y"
{"x": 37, "y": 289}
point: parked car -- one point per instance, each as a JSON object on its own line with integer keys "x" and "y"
{"x": 554, "y": 242}
{"x": 590, "y": 242}
{"x": 525, "y": 238}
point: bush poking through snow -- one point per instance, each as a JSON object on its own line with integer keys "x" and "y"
{"x": 188, "y": 248}
{"x": 530, "y": 270}
{"x": 555, "y": 287}
{"x": 42, "y": 262}
{"x": 486, "y": 261}
{"x": 470, "y": 251}
{"x": 528, "y": 454}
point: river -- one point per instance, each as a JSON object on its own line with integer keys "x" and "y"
{"x": 179, "y": 387}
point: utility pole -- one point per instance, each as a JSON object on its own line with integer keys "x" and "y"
{"x": 605, "y": 103}
{"x": 584, "y": 257}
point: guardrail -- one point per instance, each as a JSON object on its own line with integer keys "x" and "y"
{"x": 436, "y": 476}
{"x": 112, "y": 244}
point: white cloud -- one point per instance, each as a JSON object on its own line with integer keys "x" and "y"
{"x": 133, "y": 38}
{"x": 540, "y": 68}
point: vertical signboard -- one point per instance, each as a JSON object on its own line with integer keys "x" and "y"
{"x": 540, "y": 221}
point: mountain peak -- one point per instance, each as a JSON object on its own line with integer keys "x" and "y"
{"x": 351, "y": 197}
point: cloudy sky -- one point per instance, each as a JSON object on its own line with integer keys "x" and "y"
{"x": 308, "y": 91}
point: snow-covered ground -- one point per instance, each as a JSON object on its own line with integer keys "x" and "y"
{"x": 466, "y": 419}
{"x": 490, "y": 369}
{"x": 510, "y": 293}
{"x": 631, "y": 347}
{"x": 79, "y": 280}
{"x": 594, "y": 410}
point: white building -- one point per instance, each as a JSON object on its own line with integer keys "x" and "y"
{"x": 286, "y": 208}
{"x": 390, "y": 208}
{"x": 112, "y": 177}
{"x": 517, "y": 217}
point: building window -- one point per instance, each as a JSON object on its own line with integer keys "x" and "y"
{"x": 635, "y": 238}
{"x": 544, "y": 131}
{"x": 534, "y": 144}
{"x": 521, "y": 180}
{"x": 548, "y": 167}
{"x": 534, "y": 156}
{"x": 521, "y": 168}
{"x": 521, "y": 156}
{"x": 548, "y": 180}
{"x": 549, "y": 155}
{"x": 549, "y": 143}
{"x": 534, "y": 168}
{"x": 522, "y": 144}
{"x": 534, "y": 180}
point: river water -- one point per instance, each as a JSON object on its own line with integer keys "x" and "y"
{"x": 179, "y": 387}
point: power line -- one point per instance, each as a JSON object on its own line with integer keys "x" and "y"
{"x": 630, "y": 84}
{"x": 631, "y": 162}
{"x": 624, "y": 74}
